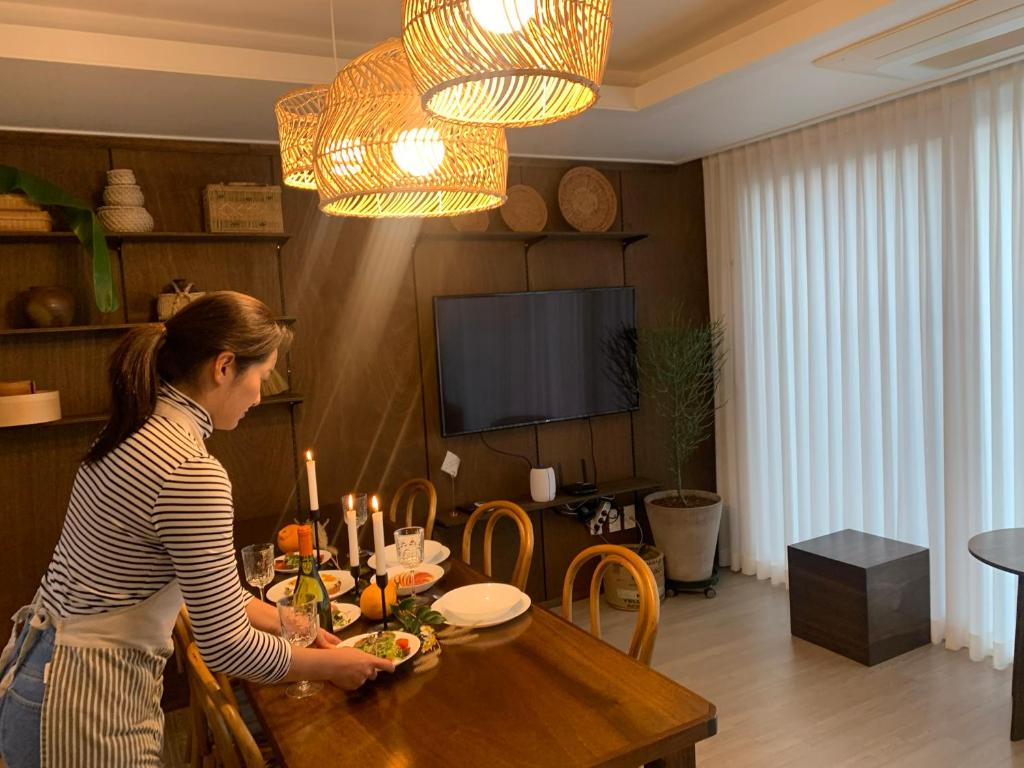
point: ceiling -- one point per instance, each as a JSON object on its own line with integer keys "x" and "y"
{"x": 685, "y": 78}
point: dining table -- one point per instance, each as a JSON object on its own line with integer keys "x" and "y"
{"x": 534, "y": 691}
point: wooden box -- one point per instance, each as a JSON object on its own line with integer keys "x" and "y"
{"x": 242, "y": 207}
{"x": 863, "y": 596}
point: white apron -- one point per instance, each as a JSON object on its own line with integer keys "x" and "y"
{"x": 101, "y": 705}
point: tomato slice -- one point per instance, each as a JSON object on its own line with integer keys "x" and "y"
{"x": 402, "y": 643}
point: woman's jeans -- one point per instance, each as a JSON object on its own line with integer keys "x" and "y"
{"x": 21, "y": 707}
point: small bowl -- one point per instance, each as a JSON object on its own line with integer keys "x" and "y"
{"x": 482, "y": 602}
{"x": 396, "y": 572}
{"x": 123, "y": 194}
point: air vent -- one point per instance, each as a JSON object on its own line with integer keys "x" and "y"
{"x": 958, "y": 38}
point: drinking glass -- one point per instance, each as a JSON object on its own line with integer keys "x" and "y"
{"x": 258, "y": 562}
{"x": 299, "y": 627}
{"x": 409, "y": 546}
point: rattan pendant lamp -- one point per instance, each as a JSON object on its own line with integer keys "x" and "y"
{"x": 513, "y": 63}
{"x": 298, "y": 114}
{"x": 377, "y": 153}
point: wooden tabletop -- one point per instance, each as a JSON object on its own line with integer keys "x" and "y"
{"x": 1002, "y": 549}
{"x": 536, "y": 691}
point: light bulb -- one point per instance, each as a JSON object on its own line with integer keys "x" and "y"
{"x": 418, "y": 151}
{"x": 502, "y": 16}
{"x": 348, "y": 160}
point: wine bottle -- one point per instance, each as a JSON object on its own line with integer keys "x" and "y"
{"x": 308, "y": 582}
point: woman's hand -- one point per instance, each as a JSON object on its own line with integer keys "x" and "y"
{"x": 351, "y": 668}
{"x": 325, "y": 639}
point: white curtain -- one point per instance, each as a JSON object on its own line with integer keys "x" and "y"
{"x": 870, "y": 273}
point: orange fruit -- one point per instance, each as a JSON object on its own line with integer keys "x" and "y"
{"x": 288, "y": 538}
{"x": 369, "y": 601}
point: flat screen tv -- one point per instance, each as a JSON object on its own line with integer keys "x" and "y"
{"x": 512, "y": 359}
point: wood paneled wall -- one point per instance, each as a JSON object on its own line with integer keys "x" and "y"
{"x": 364, "y": 353}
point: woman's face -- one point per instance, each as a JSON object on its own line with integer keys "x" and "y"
{"x": 238, "y": 392}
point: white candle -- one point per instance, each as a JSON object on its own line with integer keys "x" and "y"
{"x": 353, "y": 539}
{"x": 314, "y": 499}
{"x": 378, "y": 539}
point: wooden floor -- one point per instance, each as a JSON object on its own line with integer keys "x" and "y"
{"x": 785, "y": 703}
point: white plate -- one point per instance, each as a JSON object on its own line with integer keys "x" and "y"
{"x": 482, "y": 602}
{"x": 280, "y": 559}
{"x": 434, "y": 553}
{"x": 344, "y": 614}
{"x": 456, "y": 621}
{"x": 343, "y": 583}
{"x": 414, "y": 643}
{"x": 435, "y": 571}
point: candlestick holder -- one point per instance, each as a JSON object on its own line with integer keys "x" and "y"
{"x": 314, "y": 516}
{"x": 382, "y": 583}
{"x": 356, "y": 591}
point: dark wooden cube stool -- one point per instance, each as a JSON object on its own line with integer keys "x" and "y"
{"x": 859, "y": 595}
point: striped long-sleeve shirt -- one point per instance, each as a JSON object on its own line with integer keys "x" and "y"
{"x": 158, "y": 507}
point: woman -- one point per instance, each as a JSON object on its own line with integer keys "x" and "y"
{"x": 149, "y": 523}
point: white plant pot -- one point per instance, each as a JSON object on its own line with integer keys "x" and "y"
{"x": 687, "y": 536}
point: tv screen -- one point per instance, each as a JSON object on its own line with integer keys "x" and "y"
{"x": 511, "y": 359}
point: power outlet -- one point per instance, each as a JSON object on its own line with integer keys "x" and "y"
{"x": 615, "y": 521}
{"x": 629, "y": 517}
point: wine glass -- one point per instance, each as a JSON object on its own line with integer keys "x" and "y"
{"x": 357, "y": 501}
{"x": 258, "y": 561}
{"x": 299, "y": 627}
{"x": 409, "y": 548}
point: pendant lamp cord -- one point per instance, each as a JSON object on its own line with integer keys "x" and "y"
{"x": 334, "y": 39}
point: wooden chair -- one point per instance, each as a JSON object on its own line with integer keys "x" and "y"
{"x": 198, "y": 743}
{"x": 407, "y": 493}
{"x": 234, "y": 745}
{"x": 498, "y": 510}
{"x": 641, "y": 646}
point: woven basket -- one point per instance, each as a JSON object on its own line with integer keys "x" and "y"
{"x": 587, "y": 200}
{"x": 240, "y": 207}
{"x": 123, "y": 195}
{"x": 525, "y": 210}
{"x": 125, "y": 218}
{"x": 25, "y": 221}
{"x": 15, "y": 201}
{"x": 119, "y": 176}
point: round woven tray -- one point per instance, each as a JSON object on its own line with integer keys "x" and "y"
{"x": 121, "y": 176}
{"x": 123, "y": 195}
{"x": 25, "y": 221}
{"x": 117, "y": 218}
{"x": 524, "y": 210}
{"x": 16, "y": 201}
{"x": 472, "y": 222}
{"x": 587, "y": 200}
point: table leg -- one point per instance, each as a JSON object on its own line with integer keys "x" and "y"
{"x": 1017, "y": 690}
{"x": 685, "y": 759}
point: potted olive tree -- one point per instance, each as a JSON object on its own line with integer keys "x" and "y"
{"x": 680, "y": 366}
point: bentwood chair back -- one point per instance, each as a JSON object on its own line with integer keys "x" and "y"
{"x": 641, "y": 647}
{"x": 407, "y": 493}
{"x": 197, "y": 746}
{"x": 497, "y": 510}
{"x": 233, "y": 743}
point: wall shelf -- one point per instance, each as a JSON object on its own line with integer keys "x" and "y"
{"x": 117, "y": 239}
{"x": 285, "y": 398}
{"x": 83, "y": 329}
{"x": 454, "y": 519}
{"x": 533, "y": 238}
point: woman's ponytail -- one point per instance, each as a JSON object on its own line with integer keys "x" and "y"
{"x": 134, "y": 384}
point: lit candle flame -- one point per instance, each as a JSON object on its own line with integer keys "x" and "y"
{"x": 309, "y": 455}
{"x": 375, "y": 504}
{"x": 351, "y": 502}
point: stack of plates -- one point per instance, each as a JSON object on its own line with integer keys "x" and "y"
{"x": 482, "y": 605}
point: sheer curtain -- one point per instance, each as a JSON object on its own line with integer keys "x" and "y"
{"x": 870, "y": 273}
